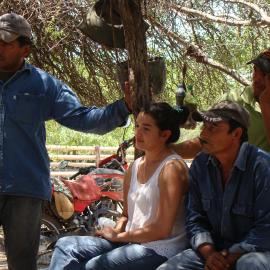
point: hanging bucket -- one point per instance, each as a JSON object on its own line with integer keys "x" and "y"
{"x": 157, "y": 74}
{"x": 103, "y": 24}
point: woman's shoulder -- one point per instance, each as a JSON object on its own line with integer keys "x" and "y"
{"x": 175, "y": 167}
{"x": 175, "y": 161}
{"x": 175, "y": 173}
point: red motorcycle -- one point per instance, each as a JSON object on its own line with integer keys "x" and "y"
{"x": 80, "y": 203}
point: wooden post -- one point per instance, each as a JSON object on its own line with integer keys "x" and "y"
{"x": 97, "y": 152}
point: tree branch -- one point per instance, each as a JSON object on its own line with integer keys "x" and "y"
{"x": 200, "y": 57}
{"x": 265, "y": 20}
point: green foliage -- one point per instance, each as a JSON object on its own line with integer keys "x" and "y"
{"x": 60, "y": 135}
{"x": 55, "y": 34}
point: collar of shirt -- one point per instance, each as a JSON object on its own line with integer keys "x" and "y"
{"x": 5, "y": 76}
{"x": 240, "y": 162}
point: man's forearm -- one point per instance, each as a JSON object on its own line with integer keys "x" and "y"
{"x": 188, "y": 149}
{"x": 265, "y": 109}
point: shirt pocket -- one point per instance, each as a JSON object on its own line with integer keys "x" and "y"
{"x": 28, "y": 108}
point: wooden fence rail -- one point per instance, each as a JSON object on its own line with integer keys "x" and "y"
{"x": 80, "y": 156}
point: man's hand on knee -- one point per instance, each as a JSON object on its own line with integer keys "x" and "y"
{"x": 231, "y": 258}
{"x": 216, "y": 261}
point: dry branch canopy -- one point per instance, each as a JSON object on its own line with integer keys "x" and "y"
{"x": 215, "y": 38}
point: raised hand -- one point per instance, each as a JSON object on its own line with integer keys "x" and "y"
{"x": 127, "y": 96}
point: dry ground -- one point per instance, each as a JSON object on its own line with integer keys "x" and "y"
{"x": 3, "y": 263}
{"x": 44, "y": 260}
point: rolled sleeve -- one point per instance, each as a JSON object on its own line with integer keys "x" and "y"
{"x": 201, "y": 238}
{"x": 242, "y": 248}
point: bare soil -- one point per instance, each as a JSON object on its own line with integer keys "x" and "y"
{"x": 43, "y": 260}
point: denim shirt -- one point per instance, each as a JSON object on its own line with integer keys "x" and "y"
{"x": 28, "y": 99}
{"x": 236, "y": 216}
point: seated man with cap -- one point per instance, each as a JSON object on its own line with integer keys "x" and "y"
{"x": 228, "y": 210}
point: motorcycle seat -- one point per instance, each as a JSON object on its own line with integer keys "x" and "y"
{"x": 84, "y": 188}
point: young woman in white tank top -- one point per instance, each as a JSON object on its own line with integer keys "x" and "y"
{"x": 151, "y": 229}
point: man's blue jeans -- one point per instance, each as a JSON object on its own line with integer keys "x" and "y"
{"x": 189, "y": 260}
{"x": 87, "y": 252}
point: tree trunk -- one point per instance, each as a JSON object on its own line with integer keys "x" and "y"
{"x": 135, "y": 42}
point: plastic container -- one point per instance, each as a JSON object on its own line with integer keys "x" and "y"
{"x": 106, "y": 222}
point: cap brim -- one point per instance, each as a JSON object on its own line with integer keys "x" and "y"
{"x": 7, "y": 36}
{"x": 197, "y": 116}
{"x": 206, "y": 116}
{"x": 262, "y": 63}
{"x": 253, "y": 61}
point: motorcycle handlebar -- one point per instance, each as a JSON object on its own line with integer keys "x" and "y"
{"x": 124, "y": 146}
{"x": 83, "y": 171}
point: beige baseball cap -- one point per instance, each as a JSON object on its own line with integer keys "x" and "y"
{"x": 224, "y": 111}
{"x": 13, "y": 26}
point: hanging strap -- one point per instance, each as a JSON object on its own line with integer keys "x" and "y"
{"x": 184, "y": 72}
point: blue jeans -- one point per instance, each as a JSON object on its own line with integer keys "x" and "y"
{"x": 94, "y": 253}
{"x": 190, "y": 260}
{"x": 20, "y": 218}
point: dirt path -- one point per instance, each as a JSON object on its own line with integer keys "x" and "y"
{"x": 42, "y": 262}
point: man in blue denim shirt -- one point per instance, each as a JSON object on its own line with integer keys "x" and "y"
{"x": 228, "y": 211}
{"x": 29, "y": 97}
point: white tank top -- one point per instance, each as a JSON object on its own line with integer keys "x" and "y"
{"x": 143, "y": 202}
